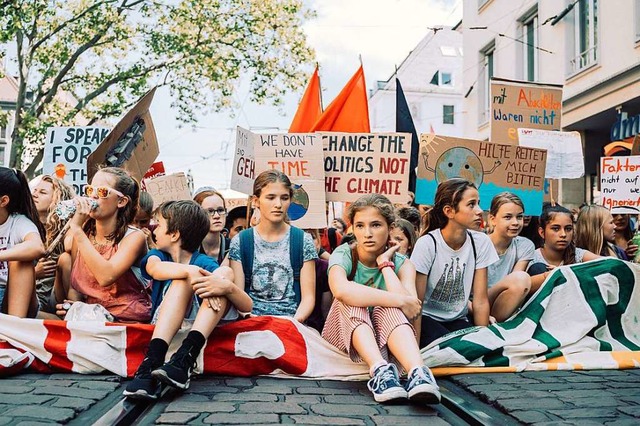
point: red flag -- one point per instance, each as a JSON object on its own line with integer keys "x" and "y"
{"x": 349, "y": 111}
{"x": 310, "y": 107}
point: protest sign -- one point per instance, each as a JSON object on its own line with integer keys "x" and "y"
{"x": 516, "y": 104}
{"x": 156, "y": 169}
{"x": 364, "y": 163}
{"x": 132, "y": 144}
{"x": 620, "y": 183}
{"x": 565, "y": 158}
{"x": 299, "y": 156}
{"x": 66, "y": 151}
{"x": 168, "y": 188}
{"x": 493, "y": 168}
{"x": 243, "y": 172}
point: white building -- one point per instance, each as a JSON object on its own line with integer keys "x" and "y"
{"x": 8, "y": 95}
{"x": 431, "y": 78}
{"x": 591, "y": 47}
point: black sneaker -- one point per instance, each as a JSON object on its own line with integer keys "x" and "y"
{"x": 177, "y": 372}
{"x": 143, "y": 385}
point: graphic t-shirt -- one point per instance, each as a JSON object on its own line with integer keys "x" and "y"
{"x": 12, "y": 232}
{"x": 521, "y": 248}
{"x": 272, "y": 289}
{"x": 371, "y": 277}
{"x": 450, "y": 272}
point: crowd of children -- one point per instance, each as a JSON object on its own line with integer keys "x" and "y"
{"x": 379, "y": 286}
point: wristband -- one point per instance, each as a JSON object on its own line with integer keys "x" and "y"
{"x": 383, "y": 265}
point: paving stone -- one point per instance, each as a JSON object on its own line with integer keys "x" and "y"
{"x": 292, "y": 383}
{"x": 529, "y": 416}
{"x": 473, "y": 380}
{"x": 11, "y": 399}
{"x": 350, "y": 399}
{"x": 53, "y": 382}
{"x": 323, "y": 391}
{"x": 524, "y": 404}
{"x": 16, "y": 382}
{"x": 344, "y": 410}
{"x": 492, "y": 396}
{"x": 594, "y": 401}
{"x": 278, "y": 390}
{"x": 317, "y": 420}
{"x": 496, "y": 388}
{"x": 239, "y": 382}
{"x": 633, "y": 385}
{"x": 268, "y": 407}
{"x": 631, "y": 399}
{"x": 199, "y": 407}
{"x": 632, "y": 392}
{"x": 621, "y": 422}
{"x": 192, "y": 397}
{"x": 633, "y": 411}
{"x": 513, "y": 379}
{"x": 563, "y": 386}
{"x": 110, "y": 386}
{"x": 585, "y": 413}
{"x": 176, "y": 418}
{"x": 582, "y": 393}
{"x": 233, "y": 397}
{"x": 241, "y": 419}
{"x": 43, "y": 413}
{"x": 19, "y": 389}
{"x": 85, "y": 377}
{"x": 77, "y": 404}
{"x": 32, "y": 423}
{"x": 204, "y": 387}
{"x": 406, "y": 421}
{"x": 580, "y": 422}
{"x": 303, "y": 399}
{"x": 5, "y": 420}
{"x": 75, "y": 392}
{"x": 583, "y": 379}
{"x": 343, "y": 385}
{"x": 408, "y": 410}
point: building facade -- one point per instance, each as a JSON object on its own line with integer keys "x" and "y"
{"x": 8, "y": 95}
{"x": 431, "y": 78}
{"x": 591, "y": 47}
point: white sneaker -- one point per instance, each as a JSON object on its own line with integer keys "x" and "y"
{"x": 385, "y": 384}
{"x": 422, "y": 387}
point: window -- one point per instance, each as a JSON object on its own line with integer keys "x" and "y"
{"x": 636, "y": 16}
{"x": 585, "y": 36}
{"x": 3, "y": 133}
{"x": 442, "y": 79}
{"x": 448, "y": 51}
{"x": 482, "y": 3}
{"x": 2, "y": 154}
{"x": 447, "y": 114}
{"x": 530, "y": 48}
{"x": 484, "y": 82}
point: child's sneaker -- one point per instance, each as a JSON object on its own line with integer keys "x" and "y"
{"x": 422, "y": 387}
{"x": 177, "y": 372}
{"x": 385, "y": 384}
{"x": 143, "y": 385}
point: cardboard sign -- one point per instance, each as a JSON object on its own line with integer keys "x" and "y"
{"x": 565, "y": 158}
{"x": 132, "y": 144}
{"x": 66, "y": 152}
{"x": 156, "y": 169}
{"x": 299, "y": 156}
{"x": 620, "y": 183}
{"x": 493, "y": 168}
{"x": 169, "y": 188}
{"x": 244, "y": 168}
{"x": 516, "y": 104}
{"x": 356, "y": 164}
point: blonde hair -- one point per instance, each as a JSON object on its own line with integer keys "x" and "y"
{"x": 53, "y": 225}
{"x": 590, "y": 230}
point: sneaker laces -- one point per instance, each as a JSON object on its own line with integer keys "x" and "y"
{"x": 380, "y": 379}
{"x": 183, "y": 359}
{"x": 145, "y": 369}
{"x": 423, "y": 374}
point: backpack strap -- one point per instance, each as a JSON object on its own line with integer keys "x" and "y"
{"x": 435, "y": 251}
{"x": 246, "y": 257}
{"x": 473, "y": 246}
{"x": 354, "y": 263}
{"x": 296, "y": 256}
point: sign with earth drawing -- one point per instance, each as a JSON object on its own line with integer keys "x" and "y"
{"x": 299, "y": 156}
{"x": 493, "y": 168}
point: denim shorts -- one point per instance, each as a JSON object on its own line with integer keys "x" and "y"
{"x": 3, "y": 290}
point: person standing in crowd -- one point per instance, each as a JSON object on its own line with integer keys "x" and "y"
{"x": 142, "y": 220}
{"x": 451, "y": 260}
{"x": 106, "y": 250}
{"x": 596, "y": 232}
{"x": 21, "y": 236}
{"x": 236, "y": 221}
{"x": 214, "y": 244}
{"x": 404, "y": 234}
{"x": 507, "y": 279}
{"x": 624, "y": 233}
{"x": 375, "y": 300}
{"x": 46, "y": 196}
{"x": 339, "y": 225}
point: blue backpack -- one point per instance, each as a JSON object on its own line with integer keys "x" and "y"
{"x": 296, "y": 256}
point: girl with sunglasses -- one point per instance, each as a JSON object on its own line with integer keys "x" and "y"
{"x": 106, "y": 250}
{"x": 215, "y": 244}
{"x": 21, "y": 235}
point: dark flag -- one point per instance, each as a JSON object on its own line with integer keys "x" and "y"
{"x": 404, "y": 123}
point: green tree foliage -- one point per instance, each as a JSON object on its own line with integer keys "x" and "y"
{"x": 85, "y": 60}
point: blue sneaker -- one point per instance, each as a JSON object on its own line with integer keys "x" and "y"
{"x": 385, "y": 384}
{"x": 422, "y": 387}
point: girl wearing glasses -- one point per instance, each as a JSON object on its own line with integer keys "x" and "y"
{"x": 106, "y": 250}
{"x": 215, "y": 244}
{"x": 21, "y": 235}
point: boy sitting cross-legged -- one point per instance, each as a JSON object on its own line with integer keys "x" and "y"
{"x": 186, "y": 284}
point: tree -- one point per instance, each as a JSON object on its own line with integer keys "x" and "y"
{"x": 92, "y": 59}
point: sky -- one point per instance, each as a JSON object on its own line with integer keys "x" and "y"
{"x": 381, "y": 32}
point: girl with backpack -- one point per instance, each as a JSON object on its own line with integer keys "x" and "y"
{"x": 274, "y": 262}
{"x": 21, "y": 235}
{"x": 375, "y": 300}
{"x": 451, "y": 260}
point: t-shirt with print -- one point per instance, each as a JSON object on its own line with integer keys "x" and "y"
{"x": 450, "y": 272}
{"x": 539, "y": 258}
{"x": 521, "y": 248}
{"x": 272, "y": 289}
{"x": 371, "y": 277}
{"x": 12, "y": 232}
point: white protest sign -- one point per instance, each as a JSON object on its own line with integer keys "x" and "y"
{"x": 66, "y": 151}
{"x": 243, "y": 172}
{"x": 168, "y": 188}
{"x": 620, "y": 183}
{"x": 565, "y": 158}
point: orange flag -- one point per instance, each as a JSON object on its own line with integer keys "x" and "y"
{"x": 310, "y": 107}
{"x": 349, "y": 111}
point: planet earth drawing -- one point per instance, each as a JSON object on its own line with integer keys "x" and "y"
{"x": 299, "y": 203}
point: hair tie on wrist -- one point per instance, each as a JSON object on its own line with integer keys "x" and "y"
{"x": 383, "y": 265}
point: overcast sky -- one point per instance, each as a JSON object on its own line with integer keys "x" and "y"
{"x": 383, "y": 32}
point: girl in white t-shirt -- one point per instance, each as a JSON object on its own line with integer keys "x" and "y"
{"x": 508, "y": 280}
{"x": 21, "y": 235}
{"x": 451, "y": 260}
